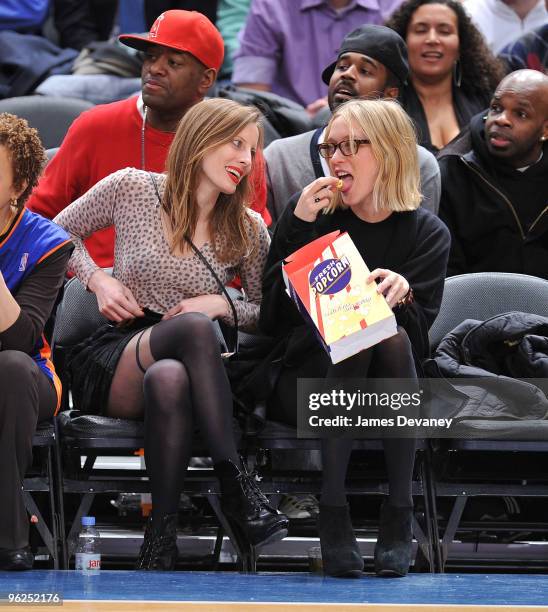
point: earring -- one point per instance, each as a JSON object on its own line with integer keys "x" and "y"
{"x": 13, "y": 202}
{"x": 457, "y": 73}
{"x": 542, "y": 138}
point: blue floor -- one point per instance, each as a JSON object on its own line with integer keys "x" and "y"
{"x": 472, "y": 589}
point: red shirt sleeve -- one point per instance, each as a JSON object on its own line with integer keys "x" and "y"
{"x": 258, "y": 181}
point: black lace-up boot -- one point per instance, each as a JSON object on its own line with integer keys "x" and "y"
{"x": 159, "y": 549}
{"x": 252, "y": 520}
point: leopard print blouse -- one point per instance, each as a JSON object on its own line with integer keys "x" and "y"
{"x": 142, "y": 259}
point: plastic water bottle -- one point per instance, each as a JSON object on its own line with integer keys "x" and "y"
{"x": 88, "y": 556}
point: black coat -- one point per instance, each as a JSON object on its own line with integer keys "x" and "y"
{"x": 498, "y": 351}
{"x": 486, "y": 221}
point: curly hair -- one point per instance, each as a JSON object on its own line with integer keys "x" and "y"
{"x": 481, "y": 70}
{"x": 26, "y": 153}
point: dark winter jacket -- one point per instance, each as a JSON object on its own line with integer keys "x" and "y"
{"x": 26, "y": 60}
{"x": 498, "y": 351}
{"x": 497, "y": 216}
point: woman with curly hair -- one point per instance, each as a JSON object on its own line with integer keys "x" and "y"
{"x": 452, "y": 72}
{"x": 34, "y": 254}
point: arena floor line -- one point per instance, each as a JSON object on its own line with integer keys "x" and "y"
{"x": 127, "y": 606}
{"x": 271, "y": 592}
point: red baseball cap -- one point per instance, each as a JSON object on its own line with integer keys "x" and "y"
{"x": 188, "y": 31}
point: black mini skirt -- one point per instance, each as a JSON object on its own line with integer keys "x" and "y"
{"x": 91, "y": 364}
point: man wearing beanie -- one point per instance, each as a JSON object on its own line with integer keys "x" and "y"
{"x": 182, "y": 54}
{"x": 372, "y": 63}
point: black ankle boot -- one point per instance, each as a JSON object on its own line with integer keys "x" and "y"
{"x": 252, "y": 520}
{"x": 341, "y": 555}
{"x": 159, "y": 549}
{"x": 394, "y": 543}
{"x": 16, "y": 559}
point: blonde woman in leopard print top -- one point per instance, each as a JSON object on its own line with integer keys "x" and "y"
{"x": 159, "y": 358}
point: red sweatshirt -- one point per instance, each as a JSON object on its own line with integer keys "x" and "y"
{"x": 100, "y": 141}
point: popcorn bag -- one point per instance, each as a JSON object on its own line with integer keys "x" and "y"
{"x": 327, "y": 281}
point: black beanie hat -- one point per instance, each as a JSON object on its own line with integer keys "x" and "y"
{"x": 378, "y": 42}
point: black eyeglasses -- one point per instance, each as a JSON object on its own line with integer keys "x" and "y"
{"x": 347, "y": 147}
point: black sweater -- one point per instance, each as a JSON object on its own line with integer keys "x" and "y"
{"x": 497, "y": 216}
{"x": 414, "y": 244}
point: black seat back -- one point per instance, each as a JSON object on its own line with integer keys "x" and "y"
{"x": 52, "y": 117}
{"x": 485, "y": 294}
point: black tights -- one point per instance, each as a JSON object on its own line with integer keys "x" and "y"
{"x": 185, "y": 386}
{"x": 392, "y": 358}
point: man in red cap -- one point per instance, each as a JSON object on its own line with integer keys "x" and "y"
{"x": 182, "y": 53}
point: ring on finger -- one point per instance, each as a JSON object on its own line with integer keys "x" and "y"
{"x": 316, "y": 200}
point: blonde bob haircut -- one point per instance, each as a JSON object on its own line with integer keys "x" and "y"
{"x": 204, "y": 127}
{"x": 394, "y": 146}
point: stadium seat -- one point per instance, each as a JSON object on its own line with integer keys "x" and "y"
{"x": 52, "y": 117}
{"x": 43, "y": 477}
{"x": 368, "y": 478}
{"x": 508, "y": 463}
{"x": 94, "y": 435}
{"x": 484, "y": 294}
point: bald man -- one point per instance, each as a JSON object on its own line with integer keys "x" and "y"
{"x": 495, "y": 183}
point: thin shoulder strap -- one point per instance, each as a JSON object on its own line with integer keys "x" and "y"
{"x": 236, "y": 342}
{"x": 206, "y": 263}
{"x": 155, "y": 188}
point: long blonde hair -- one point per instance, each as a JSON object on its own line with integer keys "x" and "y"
{"x": 394, "y": 146}
{"x": 204, "y": 127}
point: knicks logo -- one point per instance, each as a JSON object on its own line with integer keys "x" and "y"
{"x": 23, "y": 262}
{"x": 155, "y": 27}
{"x": 330, "y": 276}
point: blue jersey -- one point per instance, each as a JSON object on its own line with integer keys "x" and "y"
{"x": 31, "y": 240}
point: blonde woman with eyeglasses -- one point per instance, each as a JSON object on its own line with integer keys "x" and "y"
{"x": 373, "y": 194}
